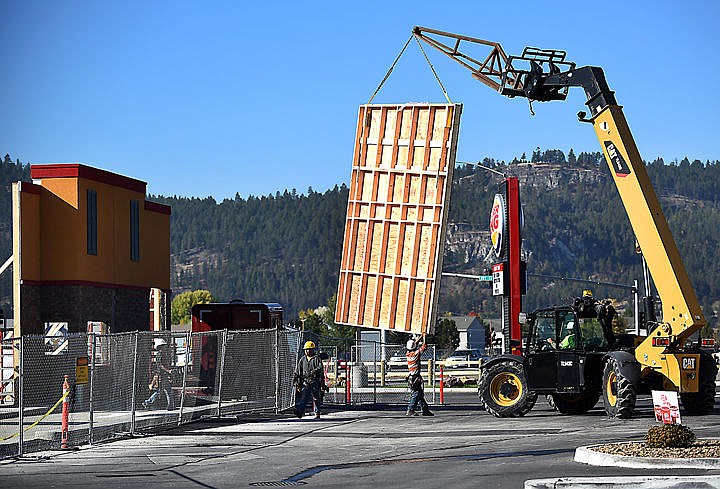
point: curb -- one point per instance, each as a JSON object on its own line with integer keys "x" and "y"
{"x": 586, "y": 455}
{"x": 689, "y": 482}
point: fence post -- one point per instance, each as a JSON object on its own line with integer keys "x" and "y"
{"x": 375, "y": 372}
{"x": 347, "y": 382}
{"x": 277, "y": 369}
{"x": 222, "y": 368}
{"x": 134, "y": 385}
{"x": 92, "y": 385}
{"x": 442, "y": 386}
{"x": 184, "y": 380}
{"x": 21, "y": 397}
{"x": 382, "y": 373}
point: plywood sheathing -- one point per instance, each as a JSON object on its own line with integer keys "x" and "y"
{"x": 394, "y": 231}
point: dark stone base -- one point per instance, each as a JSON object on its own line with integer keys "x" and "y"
{"x": 122, "y": 309}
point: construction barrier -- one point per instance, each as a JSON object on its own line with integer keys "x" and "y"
{"x": 108, "y": 389}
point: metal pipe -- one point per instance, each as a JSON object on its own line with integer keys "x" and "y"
{"x": 222, "y": 368}
{"x": 92, "y": 384}
{"x": 184, "y": 381}
{"x": 134, "y": 384}
{"x": 21, "y": 397}
{"x": 636, "y": 315}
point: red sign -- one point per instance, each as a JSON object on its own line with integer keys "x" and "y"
{"x": 497, "y": 223}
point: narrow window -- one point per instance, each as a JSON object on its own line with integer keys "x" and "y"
{"x": 91, "y": 222}
{"x": 134, "y": 230}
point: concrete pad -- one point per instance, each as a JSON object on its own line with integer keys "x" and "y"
{"x": 688, "y": 482}
{"x": 586, "y": 455}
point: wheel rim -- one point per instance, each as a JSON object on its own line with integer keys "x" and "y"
{"x": 611, "y": 389}
{"x": 505, "y": 389}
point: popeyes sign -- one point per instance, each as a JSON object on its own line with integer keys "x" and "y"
{"x": 497, "y": 223}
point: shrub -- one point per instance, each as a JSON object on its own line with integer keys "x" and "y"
{"x": 669, "y": 436}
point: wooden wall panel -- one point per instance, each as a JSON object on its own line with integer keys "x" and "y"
{"x": 394, "y": 234}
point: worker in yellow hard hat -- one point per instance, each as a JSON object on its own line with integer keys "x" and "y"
{"x": 309, "y": 381}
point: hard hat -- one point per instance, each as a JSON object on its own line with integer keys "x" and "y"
{"x": 309, "y": 345}
{"x": 159, "y": 342}
{"x": 570, "y": 325}
{"x": 587, "y": 293}
{"x": 410, "y": 345}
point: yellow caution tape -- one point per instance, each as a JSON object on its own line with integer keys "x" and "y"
{"x": 41, "y": 418}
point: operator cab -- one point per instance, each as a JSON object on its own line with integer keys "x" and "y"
{"x": 566, "y": 345}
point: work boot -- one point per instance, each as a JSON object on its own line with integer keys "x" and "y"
{"x": 411, "y": 413}
{"x": 298, "y": 413}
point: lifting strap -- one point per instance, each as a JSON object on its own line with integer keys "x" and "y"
{"x": 392, "y": 67}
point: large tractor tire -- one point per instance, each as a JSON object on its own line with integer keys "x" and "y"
{"x": 619, "y": 394}
{"x": 503, "y": 390}
{"x": 703, "y": 401}
{"x": 575, "y": 403}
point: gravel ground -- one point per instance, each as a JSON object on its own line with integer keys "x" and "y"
{"x": 699, "y": 449}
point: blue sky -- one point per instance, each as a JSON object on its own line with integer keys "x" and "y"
{"x": 212, "y": 98}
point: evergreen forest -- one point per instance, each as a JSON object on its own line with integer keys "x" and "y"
{"x": 286, "y": 247}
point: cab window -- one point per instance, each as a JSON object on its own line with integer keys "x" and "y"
{"x": 545, "y": 336}
{"x": 592, "y": 334}
{"x": 568, "y": 331}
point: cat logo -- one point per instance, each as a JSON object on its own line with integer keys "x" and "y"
{"x": 566, "y": 363}
{"x": 688, "y": 363}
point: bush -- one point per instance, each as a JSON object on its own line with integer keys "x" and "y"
{"x": 669, "y": 436}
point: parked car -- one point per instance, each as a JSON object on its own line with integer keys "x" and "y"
{"x": 460, "y": 358}
{"x": 396, "y": 361}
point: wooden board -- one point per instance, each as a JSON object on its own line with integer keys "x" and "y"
{"x": 395, "y": 226}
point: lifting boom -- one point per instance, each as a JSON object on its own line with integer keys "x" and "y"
{"x": 545, "y": 75}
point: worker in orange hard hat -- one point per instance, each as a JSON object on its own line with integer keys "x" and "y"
{"x": 415, "y": 348}
{"x": 309, "y": 381}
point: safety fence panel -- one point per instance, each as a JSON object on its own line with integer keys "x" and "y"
{"x": 200, "y": 384}
{"x": 48, "y": 417}
{"x": 334, "y": 376}
{"x": 248, "y": 374}
{"x": 379, "y": 374}
{"x": 107, "y": 398}
{"x": 9, "y": 405}
{"x": 288, "y": 350}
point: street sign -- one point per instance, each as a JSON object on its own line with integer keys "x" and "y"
{"x": 81, "y": 370}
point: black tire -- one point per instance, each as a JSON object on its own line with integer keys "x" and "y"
{"x": 575, "y": 403}
{"x": 619, "y": 393}
{"x": 703, "y": 401}
{"x": 503, "y": 390}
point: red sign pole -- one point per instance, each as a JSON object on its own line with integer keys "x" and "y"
{"x": 514, "y": 243}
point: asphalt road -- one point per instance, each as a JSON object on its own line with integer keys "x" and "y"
{"x": 461, "y": 447}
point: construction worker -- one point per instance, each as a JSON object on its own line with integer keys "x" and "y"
{"x": 162, "y": 377}
{"x": 415, "y": 347}
{"x": 568, "y": 342}
{"x": 309, "y": 381}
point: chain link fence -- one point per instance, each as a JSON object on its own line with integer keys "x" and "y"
{"x": 76, "y": 389}
{"x": 369, "y": 372}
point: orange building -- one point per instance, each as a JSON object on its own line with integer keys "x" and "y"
{"x": 88, "y": 247}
